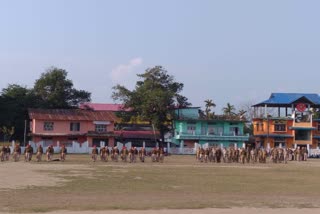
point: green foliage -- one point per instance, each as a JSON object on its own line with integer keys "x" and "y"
{"x": 229, "y": 110}
{"x": 154, "y": 97}
{"x": 209, "y": 105}
{"x": 56, "y": 91}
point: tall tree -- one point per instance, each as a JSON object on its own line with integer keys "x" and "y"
{"x": 56, "y": 91}
{"x": 154, "y": 97}
{"x": 229, "y": 110}
{"x": 14, "y": 102}
{"x": 209, "y": 104}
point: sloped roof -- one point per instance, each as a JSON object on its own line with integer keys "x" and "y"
{"x": 286, "y": 99}
{"x": 71, "y": 115}
{"x": 102, "y": 106}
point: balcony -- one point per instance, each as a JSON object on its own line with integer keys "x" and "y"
{"x": 215, "y": 137}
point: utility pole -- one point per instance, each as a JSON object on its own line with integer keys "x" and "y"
{"x": 25, "y": 133}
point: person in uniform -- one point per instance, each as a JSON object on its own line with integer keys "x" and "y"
{"x": 154, "y": 155}
{"x": 116, "y": 154}
{"x": 16, "y": 153}
{"x": 8, "y": 152}
{"x": 124, "y": 154}
{"x": 63, "y": 153}
{"x": 27, "y": 153}
{"x": 103, "y": 154}
{"x": 49, "y": 152}
{"x": 142, "y": 154}
{"x": 39, "y": 153}
{"x": 94, "y": 153}
{"x": 2, "y": 153}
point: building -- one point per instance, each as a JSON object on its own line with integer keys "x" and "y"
{"x": 191, "y": 130}
{"x": 287, "y": 120}
{"x": 65, "y": 126}
{"x": 133, "y": 133}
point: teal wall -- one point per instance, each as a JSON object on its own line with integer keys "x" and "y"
{"x": 202, "y": 128}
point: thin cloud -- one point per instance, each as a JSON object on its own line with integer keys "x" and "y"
{"x": 123, "y": 73}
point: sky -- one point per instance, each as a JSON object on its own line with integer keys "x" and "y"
{"x": 228, "y": 50}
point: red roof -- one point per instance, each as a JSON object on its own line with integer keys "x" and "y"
{"x": 102, "y": 106}
{"x": 71, "y": 115}
{"x": 138, "y": 134}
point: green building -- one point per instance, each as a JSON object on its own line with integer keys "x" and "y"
{"x": 191, "y": 130}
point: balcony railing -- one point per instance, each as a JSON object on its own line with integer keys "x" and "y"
{"x": 207, "y": 136}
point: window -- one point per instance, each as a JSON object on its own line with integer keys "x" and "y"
{"x": 259, "y": 126}
{"x": 234, "y": 131}
{"x": 280, "y": 127}
{"x": 101, "y": 128}
{"x": 302, "y": 134}
{"x": 218, "y": 130}
{"x": 75, "y": 127}
{"x": 191, "y": 128}
{"x": 48, "y": 126}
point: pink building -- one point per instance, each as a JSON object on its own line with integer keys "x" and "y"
{"x": 64, "y": 126}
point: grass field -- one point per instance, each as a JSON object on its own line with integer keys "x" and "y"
{"x": 179, "y": 183}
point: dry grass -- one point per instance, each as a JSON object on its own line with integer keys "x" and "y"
{"x": 179, "y": 183}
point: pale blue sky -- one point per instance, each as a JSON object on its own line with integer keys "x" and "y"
{"x": 228, "y": 51}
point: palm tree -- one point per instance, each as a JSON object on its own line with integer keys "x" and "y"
{"x": 209, "y": 104}
{"x": 229, "y": 110}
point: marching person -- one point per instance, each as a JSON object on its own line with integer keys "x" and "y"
{"x": 27, "y": 152}
{"x": 124, "y": 154}
{"x": 16, "y": 153}
{"x": 49, "y": 152}
{"x": 63, "y": 153}
{"x": 2, "y": 153}
{"x": 8, "y": 152}
{"x": 142, "y": 154}
{"x": 94, "y": 153}
{"x": 103, "y": 154}
{"x": 39, "y": 153}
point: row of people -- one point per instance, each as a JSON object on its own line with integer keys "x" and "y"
{"x": 29, "y": 152}
{"x": 126, "y": 155}
{"x": 250, "y": 155}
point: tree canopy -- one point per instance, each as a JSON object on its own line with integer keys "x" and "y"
{"x": 56, "y": 91}
{"x": 154, "y": 98}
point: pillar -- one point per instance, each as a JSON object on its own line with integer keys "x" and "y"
{"x": 181, "y": 146}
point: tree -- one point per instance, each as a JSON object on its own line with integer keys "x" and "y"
{"x": 154, "y": 98}
{"x": 229, "y": 110}
{"x": 209, "y": 105}
{"x": 56, "y": 91}
{"x": 14, "y": 103}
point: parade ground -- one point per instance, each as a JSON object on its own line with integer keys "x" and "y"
{"x": 179, "y": 185}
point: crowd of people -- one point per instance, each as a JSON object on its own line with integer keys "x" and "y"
{"x": 250, "y": 155}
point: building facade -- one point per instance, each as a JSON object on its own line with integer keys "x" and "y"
{"x": 65, "y": 126}
{"x": 190, "y": 130}
{"x": 287, "y": 120}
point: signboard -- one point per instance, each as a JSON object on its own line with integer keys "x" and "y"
{"x": 301, "y": 107}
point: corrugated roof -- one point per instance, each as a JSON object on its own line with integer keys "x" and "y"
{"x": 71, "y": 115}
{"x": 102, "y": 106}
{"x": 286, "y": 99}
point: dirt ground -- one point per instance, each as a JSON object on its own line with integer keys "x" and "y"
{"x": 17, "y": 176}
{"x": 198, "y": 211}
